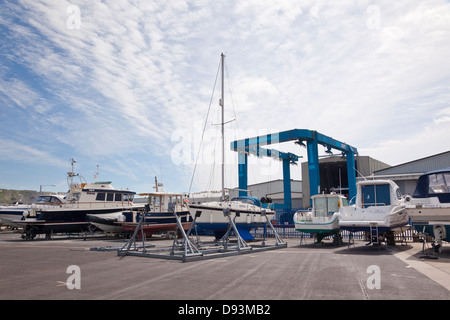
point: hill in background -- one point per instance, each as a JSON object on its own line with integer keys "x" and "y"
{"x": 23, "y": 196}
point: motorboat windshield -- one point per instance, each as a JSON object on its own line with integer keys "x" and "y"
{"x": 48, "y": 199}
{"x": 434, "y": 184}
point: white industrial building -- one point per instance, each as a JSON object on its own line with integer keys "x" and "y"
{"x": 407, "y": 174}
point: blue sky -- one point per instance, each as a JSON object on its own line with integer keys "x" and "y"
{"x": 126, "y": 85}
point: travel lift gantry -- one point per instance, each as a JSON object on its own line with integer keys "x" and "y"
{"x": 191, "y": 250}
{"x": 252, "y": 146}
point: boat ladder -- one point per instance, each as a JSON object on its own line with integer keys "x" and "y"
{"x": 374, "y": 239}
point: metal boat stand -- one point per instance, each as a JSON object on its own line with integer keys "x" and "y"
{"x": 351, "y": 240}
{"x": 241, "y": 244}
{"x": 223, "y": 247}
{"x": 131, "y": 244}
{"x": 131, "y": 249}
{"x": 427, "y": 252}
{"x": 185, "y": 250}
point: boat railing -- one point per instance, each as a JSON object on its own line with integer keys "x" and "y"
{"x": 375, "y": 204}
{"x": 89, "y": 205}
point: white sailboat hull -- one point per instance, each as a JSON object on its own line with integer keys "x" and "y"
{"x": 210, "y": 216}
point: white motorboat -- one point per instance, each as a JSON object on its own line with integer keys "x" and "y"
{"x": 379, "y": 208}
{"x": 322, "y": 219}
{"x": 429, "y": 206}
{"x": 11, "y": 213}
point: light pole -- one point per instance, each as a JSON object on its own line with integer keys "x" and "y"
{"x": 45, "y": 185}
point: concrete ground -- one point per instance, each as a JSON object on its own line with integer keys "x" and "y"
{"x": 38, "y": 269}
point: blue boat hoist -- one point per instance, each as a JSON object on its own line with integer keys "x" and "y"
{"x": 253, "y": 146}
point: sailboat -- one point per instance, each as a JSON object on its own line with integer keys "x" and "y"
{"x": 247, "y": 212}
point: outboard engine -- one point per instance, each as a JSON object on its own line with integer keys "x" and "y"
{"x": 439, "y": 234}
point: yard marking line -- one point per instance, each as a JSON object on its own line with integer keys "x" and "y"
{"x": 360, "y": 282}
{"x": 431, "y": 272}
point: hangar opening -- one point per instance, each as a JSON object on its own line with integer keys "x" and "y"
{"x": 333, "y": 176}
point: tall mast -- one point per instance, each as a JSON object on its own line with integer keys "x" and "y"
{"x": 222, "y": 103}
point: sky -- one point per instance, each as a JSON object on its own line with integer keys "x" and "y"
{"x": 129, "y": 89}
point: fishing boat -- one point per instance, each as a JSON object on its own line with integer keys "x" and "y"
{"x": 158, "y": 215}
{"x": 99, "y": 198}
{"x": 322, "y": 220}
{"x": 379, "y": 208}
{"x": 429, "y": 206}
{"x": 246, "y": 212}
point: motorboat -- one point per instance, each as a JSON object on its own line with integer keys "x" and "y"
{"x": 18, "y": 211}
{"x": 158, "y": 215}
{"x": 322, "y": 220}
{"x": 379, "y": 208}
{"x": 9, "y": 213}
{"x": 98, "y": 198}
{"x": 246, "y": 212}
{"x": 429, "y": 206}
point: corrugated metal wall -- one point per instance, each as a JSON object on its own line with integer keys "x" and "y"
{"x": 438, "y": 161}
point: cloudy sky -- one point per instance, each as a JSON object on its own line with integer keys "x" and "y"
{"x": 129, "y": 85}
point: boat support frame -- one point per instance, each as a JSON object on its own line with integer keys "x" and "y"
{"x": 187, "y": 249}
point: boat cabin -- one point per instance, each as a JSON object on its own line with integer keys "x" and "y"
{"x": 325, "y": 205}
{"x": 99, "y": 192}
{"x": 377, "y": 193}
{"x": 250, "y": 200}
{"x": 159, "y": 201}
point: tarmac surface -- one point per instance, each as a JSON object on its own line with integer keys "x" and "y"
{"x": 38, "y": 270}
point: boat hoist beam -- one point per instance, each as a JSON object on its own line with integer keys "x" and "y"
{"x": 286, "y": 157}
{"x": 252, "y": 146}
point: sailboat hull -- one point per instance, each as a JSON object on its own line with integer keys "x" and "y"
{"x": 211, "y": 217}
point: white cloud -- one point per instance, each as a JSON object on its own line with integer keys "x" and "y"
{"x": 137, "y": 71}
{"x": 15, "y": 151}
